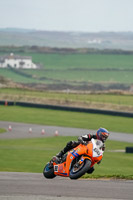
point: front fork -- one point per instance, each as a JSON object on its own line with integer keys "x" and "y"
{"x": 81, "y": 160}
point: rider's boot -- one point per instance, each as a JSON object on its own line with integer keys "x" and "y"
{"x": 59, "y": 156}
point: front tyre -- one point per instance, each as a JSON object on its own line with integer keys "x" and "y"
{"x": 77, "y": 172}
{"x": 48, "y": 171}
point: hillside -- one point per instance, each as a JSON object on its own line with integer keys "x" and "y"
{"x": 100, "y": 40}
{"x": 75, "y": 71}
{"x": 66, "y": 75}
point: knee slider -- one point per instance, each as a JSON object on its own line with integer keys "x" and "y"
{"x": 91, "y": 170}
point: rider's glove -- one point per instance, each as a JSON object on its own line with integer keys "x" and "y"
{"x": 103, "y": 147}
{"x": 81, "y": 141}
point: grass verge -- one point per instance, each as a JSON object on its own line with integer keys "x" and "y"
{"x": 114, "y": 99}
{"x": 65, "y": 118}
{"x": 31, "y": 155}
{"x": 2, "y": 130}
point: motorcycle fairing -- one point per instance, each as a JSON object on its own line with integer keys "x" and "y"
{"x": 84, "y": 152}
{"x": 63, "y": 168}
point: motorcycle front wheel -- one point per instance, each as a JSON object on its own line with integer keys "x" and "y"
{"x": 77, "y": 172}
{"x": 48, "y": 171}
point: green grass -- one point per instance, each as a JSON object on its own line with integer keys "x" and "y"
{"x": 7, "y": 73}
{"x": 73, "y": 77}
{"x": 65, "y": 118}
{"x": 2, "y": 130}
{"x": 88, "y": 61}
{"x": 100, "y": 77}
{"x": 67, "y": 68}
{"x": 31, "y": 155}
{"x": 80, "y": 76}
{"x": 85, "y": 98}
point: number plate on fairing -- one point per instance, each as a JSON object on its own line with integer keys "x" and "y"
{"x": 56, "y": 168}
{"x": 96, "y": 150}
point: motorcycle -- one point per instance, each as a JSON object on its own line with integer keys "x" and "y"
{"x": 77, "y": 161}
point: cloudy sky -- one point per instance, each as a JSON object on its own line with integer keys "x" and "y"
{"x": 68, "y": 15}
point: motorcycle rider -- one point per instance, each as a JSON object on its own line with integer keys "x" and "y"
{"x": 101, "y": 134}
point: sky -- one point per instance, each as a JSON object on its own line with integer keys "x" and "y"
{"x": 67, "y": 15}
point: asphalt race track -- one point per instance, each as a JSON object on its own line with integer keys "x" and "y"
{"x": 20, "y": 186}
{"x": 21, "y": 130}
{"x": 27, "y": 186}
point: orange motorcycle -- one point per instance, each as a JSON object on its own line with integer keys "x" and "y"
{"x": 76, "y": 162}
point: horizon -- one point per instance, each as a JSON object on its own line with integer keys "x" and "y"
{"x": 44, "y": 30}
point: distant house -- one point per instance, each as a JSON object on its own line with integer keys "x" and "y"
{"x": 16, "y": 61}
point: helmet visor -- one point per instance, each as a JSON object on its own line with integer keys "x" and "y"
{"x": 104, "y": 136}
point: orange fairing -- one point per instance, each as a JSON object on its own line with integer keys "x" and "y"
{"x": 89, "y": 151}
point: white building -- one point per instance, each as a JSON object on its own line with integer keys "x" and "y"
{"x": 16, "y": 61}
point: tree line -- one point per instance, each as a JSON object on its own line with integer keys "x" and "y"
{"x": 38, "y": 49}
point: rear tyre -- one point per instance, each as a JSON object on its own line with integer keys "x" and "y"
{"x": 48, "y": 171}
{"x": 77, "y": 172}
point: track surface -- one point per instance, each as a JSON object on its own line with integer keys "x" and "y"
{"x": 27, "y": 186}
{"x": 35, "y": 186}
{"x": 21, "y": 130}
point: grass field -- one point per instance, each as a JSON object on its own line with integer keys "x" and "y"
{"x": 76, "y": 69}
{"x": 65, "y": 118}
{"x": 20, "y": 94}
{"x": 88, "y": 61}
{"x": 31, "y": 155}
{"x": 79, "y": 76}
{"x": 2, "y": 130}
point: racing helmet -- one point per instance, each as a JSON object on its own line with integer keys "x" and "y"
{"x": 102, "y": 134}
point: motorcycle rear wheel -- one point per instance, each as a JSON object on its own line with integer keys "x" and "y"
{"x": 76, "y": 173}
{"x": 48, "y": 172}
